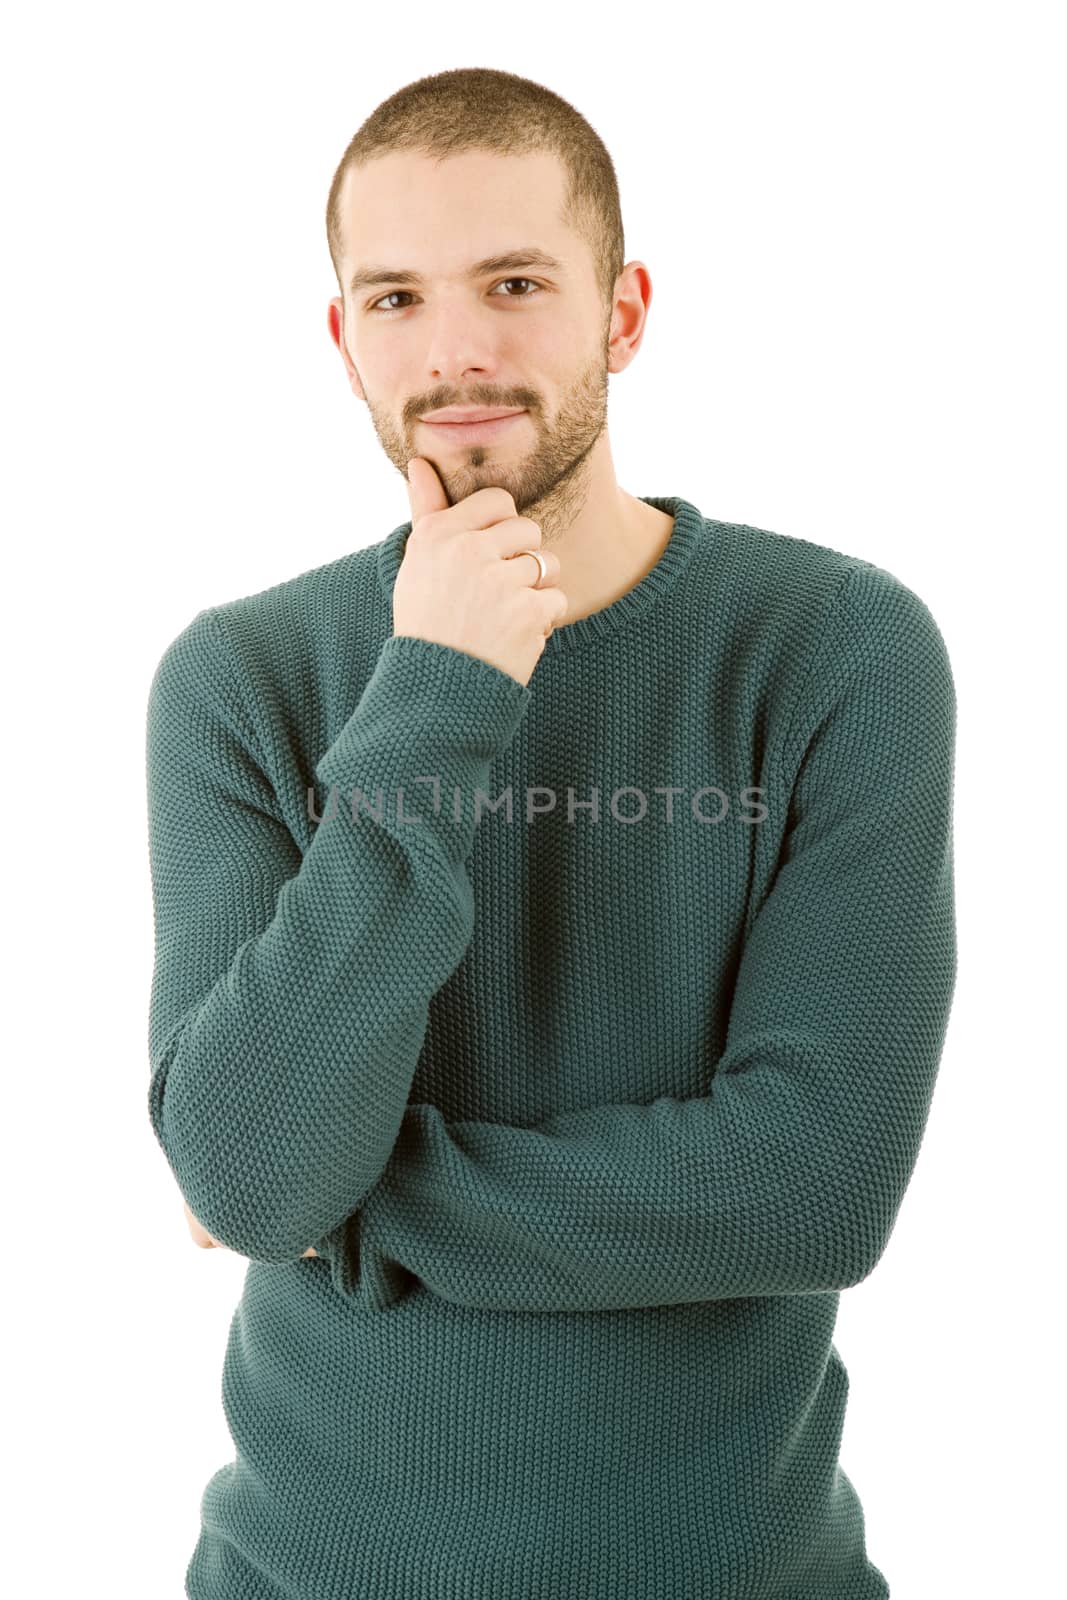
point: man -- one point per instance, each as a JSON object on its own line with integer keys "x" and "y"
{"x": 554, "y": 948}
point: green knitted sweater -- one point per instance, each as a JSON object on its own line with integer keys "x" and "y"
{"x": 587, "y": 1029}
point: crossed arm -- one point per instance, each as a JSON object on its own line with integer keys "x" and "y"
{"x": 785, "y": 1178}
{"x": 786, "y": 1175}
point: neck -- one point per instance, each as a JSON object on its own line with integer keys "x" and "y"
{"x": 602, "y": 557}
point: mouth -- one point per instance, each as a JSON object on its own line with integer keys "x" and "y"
{"x": 460, "y": 432}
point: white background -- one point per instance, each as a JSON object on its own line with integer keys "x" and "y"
{"x": 849, "y": 214}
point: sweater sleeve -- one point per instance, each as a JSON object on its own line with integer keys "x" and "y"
{"x": 291, "y": 988}
{"x": 786, "y": 1176}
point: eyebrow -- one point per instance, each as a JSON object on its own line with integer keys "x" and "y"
{"x": 371, "y": 276}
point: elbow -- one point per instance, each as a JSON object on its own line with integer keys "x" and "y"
{"x": 862, "y": 1232}
{"x": 229, "y": 1205}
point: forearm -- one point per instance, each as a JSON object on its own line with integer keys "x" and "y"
{"x": 277, "y": 1094}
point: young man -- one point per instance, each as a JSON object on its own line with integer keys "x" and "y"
{"x": 555, "y": 944}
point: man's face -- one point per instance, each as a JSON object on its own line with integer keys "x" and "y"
{"x": 522, "y": 335}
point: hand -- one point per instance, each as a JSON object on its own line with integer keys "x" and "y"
{"x": 200, "y": 1234}
{"x": 205, "y": 1241}
{"x": 458, "y": 584}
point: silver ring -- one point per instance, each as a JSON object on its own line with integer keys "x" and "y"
{"x": 541, "y": 562}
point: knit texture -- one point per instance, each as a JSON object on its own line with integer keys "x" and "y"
{"x": 587, "y": 1029}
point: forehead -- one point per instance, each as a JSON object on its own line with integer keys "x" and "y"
{"x": 405, "y": 209}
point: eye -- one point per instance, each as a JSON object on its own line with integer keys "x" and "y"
{"x": 530, "y": 281}
{"x": 385, "y": 311}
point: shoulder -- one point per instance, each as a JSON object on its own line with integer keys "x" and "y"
{"x": 302, "y": 616}
{"x": 877, "y": 678}
{"x": 814, "y": 598}
{"x": 288, "y": 633}
{"x": 781, "y": 576}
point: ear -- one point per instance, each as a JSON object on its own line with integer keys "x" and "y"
{"x": 335, "y": 322}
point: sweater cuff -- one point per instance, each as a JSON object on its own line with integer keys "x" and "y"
{"x": 429, "y": 724}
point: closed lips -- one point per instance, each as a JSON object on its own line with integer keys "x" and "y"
{"x": 475, "y": 416}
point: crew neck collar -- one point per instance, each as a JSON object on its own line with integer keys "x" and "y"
{"x": 688, "y": 531}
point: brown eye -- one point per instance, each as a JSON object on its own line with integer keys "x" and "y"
{"x": 382, "y": 310}
{"x": 518, "y": 280}
{"x": 390, "y": 296}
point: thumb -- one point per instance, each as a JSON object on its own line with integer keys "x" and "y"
{"x": 426, "y": 492}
